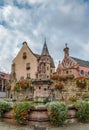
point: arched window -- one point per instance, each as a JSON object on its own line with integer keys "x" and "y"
{"x": 24, "y": 55}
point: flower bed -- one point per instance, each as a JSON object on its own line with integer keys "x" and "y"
{"x": 4, "y": 107}
{"x": 21, "y": 111}
{"x": 59, "y": 86}
{"x": 61, "y": 77}
{"x": 22, "y": 85}
{"x": 57, "y": 112}
{"x": 83, "y": 110}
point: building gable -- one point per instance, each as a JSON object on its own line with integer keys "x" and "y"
{"x": 68, "y": 63}
{"x": 25, "y": 63}
{"x": 24, "y": 50}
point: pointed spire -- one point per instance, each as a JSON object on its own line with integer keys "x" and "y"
{"x": 45, "y": 49}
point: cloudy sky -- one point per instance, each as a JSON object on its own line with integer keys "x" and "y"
{"x": 60, "y": 21}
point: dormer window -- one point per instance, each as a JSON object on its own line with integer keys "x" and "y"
{"x": 28, "y": 66}
{"x": 24, "y": 55}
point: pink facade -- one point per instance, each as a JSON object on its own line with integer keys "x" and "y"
{"x": 71, "y": 65}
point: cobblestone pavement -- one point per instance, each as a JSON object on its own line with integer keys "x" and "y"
{"x": 77, "y": 126}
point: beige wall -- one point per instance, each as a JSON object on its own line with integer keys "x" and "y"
{"x": 20, "y": 63}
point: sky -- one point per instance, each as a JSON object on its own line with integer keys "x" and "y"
{"x": 60, "y": 21}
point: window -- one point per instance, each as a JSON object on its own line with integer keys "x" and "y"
{"x": 24, "y": 55}
{"x": 48, "y": 87}
{"x": 47, "y": 68}
{"x": 88, "y": 73}
{"x": 28, "y": 66}
{"x": 39, "y": 87}
{"x": 67, "y": 72}
{"x": 81, "y": 72}
{"x": 45, "y": 89}
{"x": 51, "y": 70}
{"x": 22, "y": 77}
{"x": 28, "y": 75}
{"x": 47, "y": 76}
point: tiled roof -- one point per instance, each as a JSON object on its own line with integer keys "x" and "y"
{"x": 52, "y": 63}
{"x": 37, "y": 55}
{"x": 81, "y": 62}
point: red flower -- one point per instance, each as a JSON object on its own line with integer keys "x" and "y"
{"x": 23, "y": 114}
{"x": 13, "y": 118}
{"x": 22, "y": 83}
{"x": 59, "y": 86}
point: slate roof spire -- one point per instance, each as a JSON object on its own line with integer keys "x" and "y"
{"x": 45, "y": 49}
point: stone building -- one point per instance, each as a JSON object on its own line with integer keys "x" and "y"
{"x": 72, "y": 65}
{"x": 30, "y": 65}
{"x": 45, "y": 64}
{"x": 4, "y": 81}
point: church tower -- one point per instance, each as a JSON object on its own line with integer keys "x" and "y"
{"x": 66, "y": 51}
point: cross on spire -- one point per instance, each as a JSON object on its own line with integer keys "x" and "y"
{"x": 66, "y": 44}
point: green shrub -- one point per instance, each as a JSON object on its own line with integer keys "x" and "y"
{"x": 73, "y": 99}
{"x": 57, "y": 112}
{"x": 82, "y": 83}
{"x": 21, "y": 111}
{"x": 83, "y": 110}
{"x": 4, "y": 107}
{"x": 85, "y": 96}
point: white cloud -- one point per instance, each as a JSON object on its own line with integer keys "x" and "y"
{"x": 60, "y": 21}
{"x": 31, "y": 1}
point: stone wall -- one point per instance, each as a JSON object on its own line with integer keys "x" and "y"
{"x": 22, "y": 95}
{"x": 40, "y": 116}
{"x": 71, "y": 89}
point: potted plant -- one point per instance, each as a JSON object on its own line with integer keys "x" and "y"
{"x": 59, "y": 85}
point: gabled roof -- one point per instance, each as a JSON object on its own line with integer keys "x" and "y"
{"x": 81, "y": 62}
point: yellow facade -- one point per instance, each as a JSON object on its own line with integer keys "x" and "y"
{"x": 26, "y": 64}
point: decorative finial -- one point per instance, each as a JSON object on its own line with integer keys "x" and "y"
{"x": 66, "y": 45}
{"x": 24, "y": 42}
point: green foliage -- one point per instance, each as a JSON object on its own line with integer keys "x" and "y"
{"x": 73, "y": 99}
{"x": 4, "y": 107}
{"x": 21, "y": 111}
{"x": 83, "y": 110}
{"x": 17, "y": 87}
{"x": 57, "y": 112}
{"x": 85, "y": 96}
{"x": 82, "y": 83}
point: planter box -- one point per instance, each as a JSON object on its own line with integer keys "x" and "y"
{"x": 40, "y": 116}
